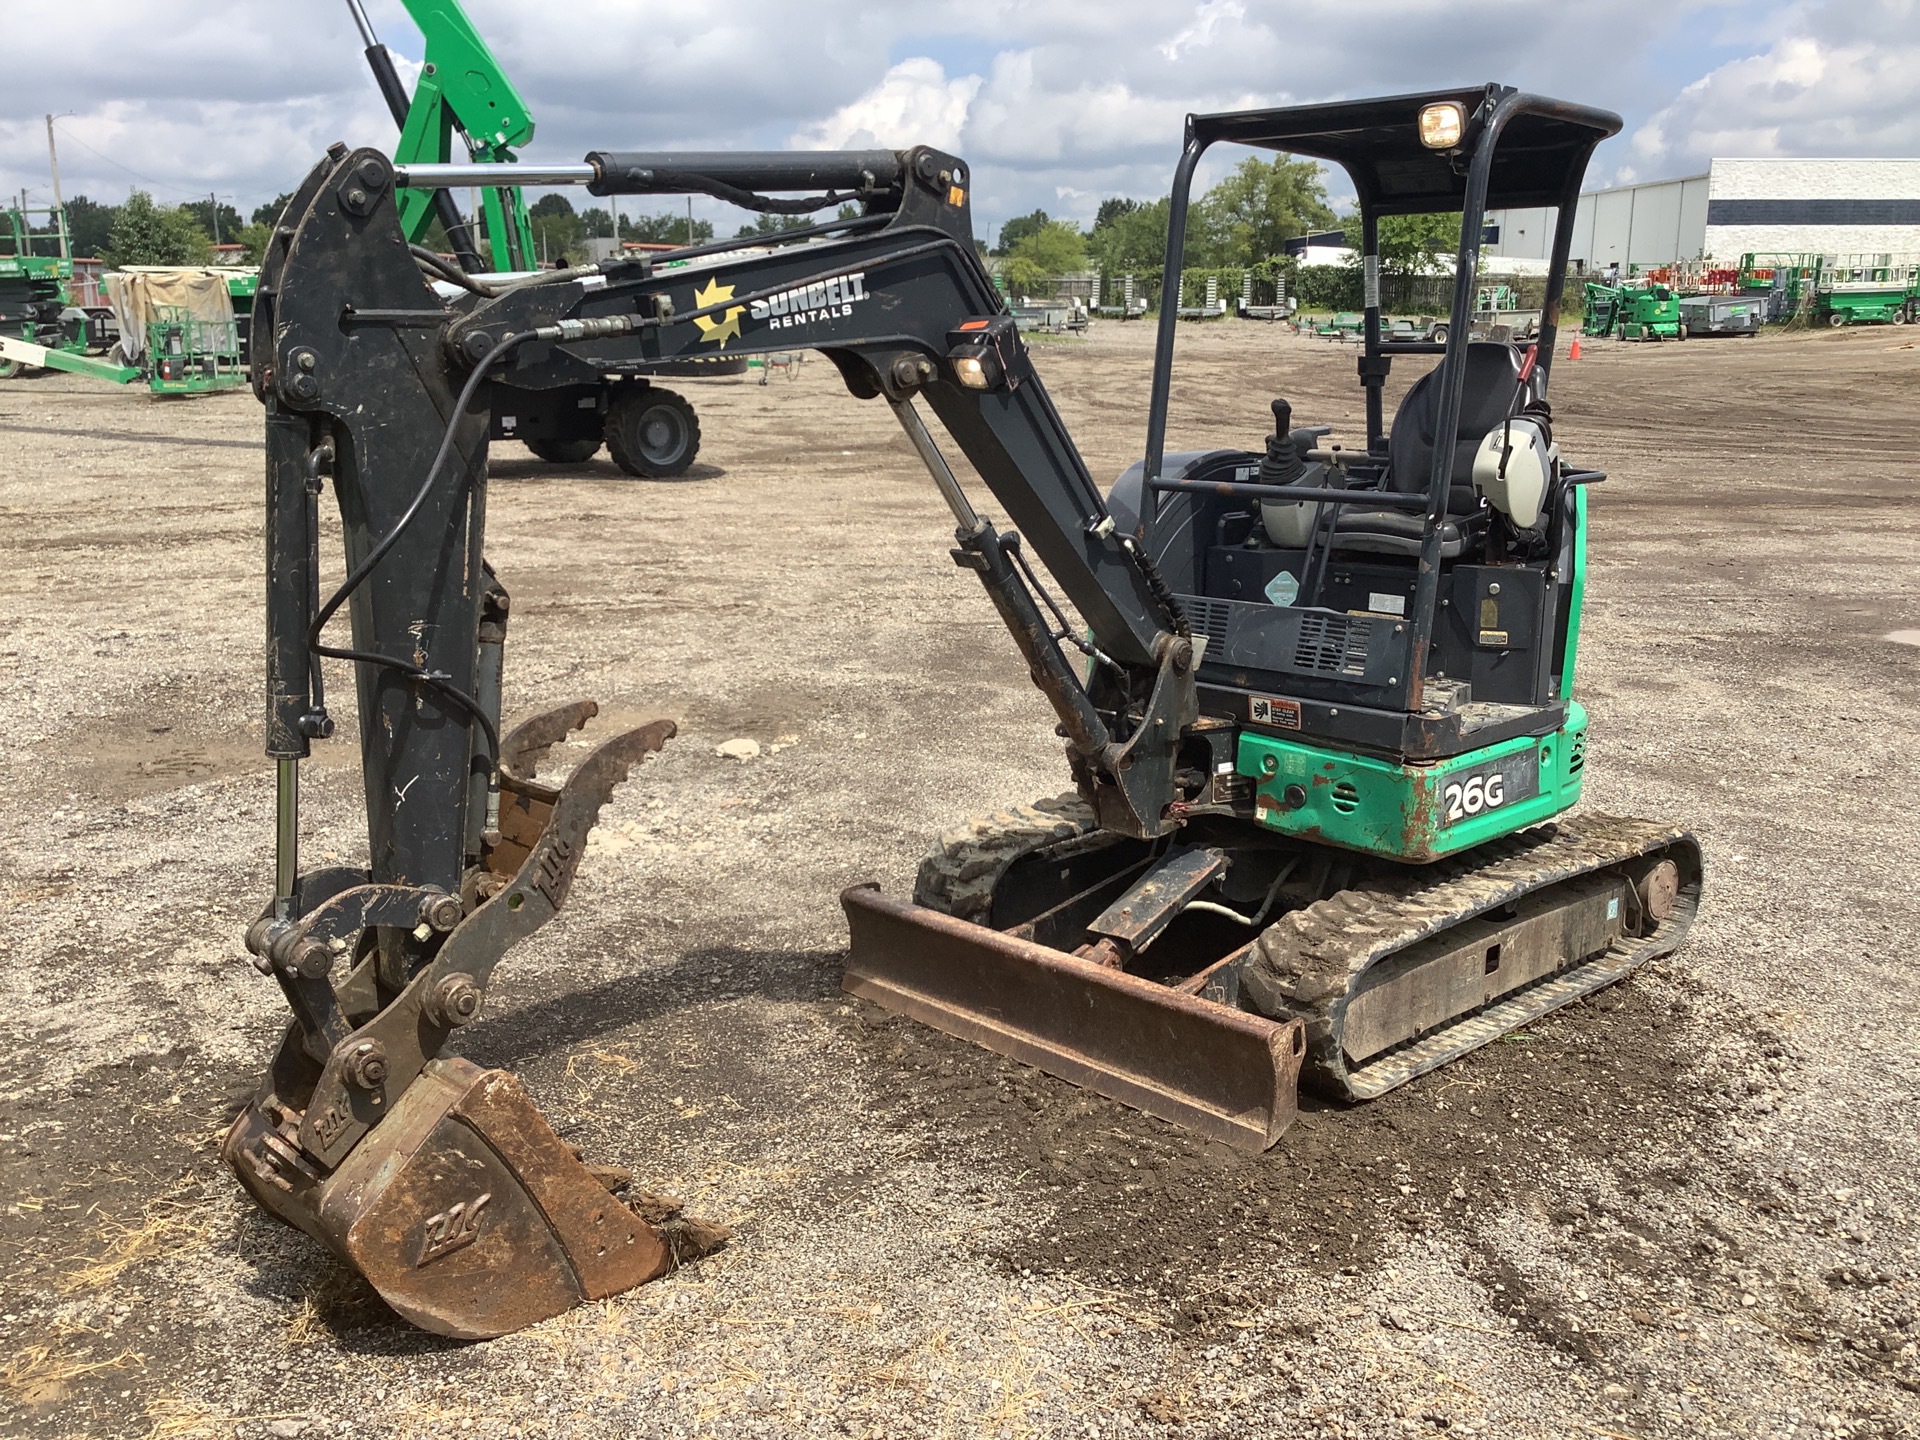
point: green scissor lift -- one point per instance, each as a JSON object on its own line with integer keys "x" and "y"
{"x": 1867, "y": 289}
{"x": 1836, "y": 290}
{"x": 33, "y": 294}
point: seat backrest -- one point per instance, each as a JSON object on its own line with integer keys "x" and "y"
{"x": 1492, "y": 392}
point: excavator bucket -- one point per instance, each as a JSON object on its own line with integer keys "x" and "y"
{"x": 463, "y": 1209}
{"x": 436, "y": 1179}
{"x": 1221, "y": 1071}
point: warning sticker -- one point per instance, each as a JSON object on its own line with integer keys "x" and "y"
{"x": 1272, "y": 710}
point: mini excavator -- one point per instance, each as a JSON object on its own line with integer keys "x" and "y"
{"x": 1320, "y": 721}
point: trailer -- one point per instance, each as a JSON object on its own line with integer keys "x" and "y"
{"x": 1068, "y": 318}
{"x": 1722, "y": 314}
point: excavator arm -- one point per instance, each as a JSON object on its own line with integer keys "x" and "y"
{"x": 376, "y": 385}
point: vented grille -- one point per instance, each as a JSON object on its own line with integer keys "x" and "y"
{"x": 1346, "y": 797}
{"x": 1207, "y": 617}
{"x": 1577, "y": 753}
{"x": 1332, "y": 645}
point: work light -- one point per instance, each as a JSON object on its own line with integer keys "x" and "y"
{"x": 1442, "y": 124}
{"x": 976, "y": 371}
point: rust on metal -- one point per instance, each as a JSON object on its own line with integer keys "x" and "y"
{"x": 525, "y": 746}
{"x": 437, "y": 1180}
{"x": 1659, "y": 890}
{"x": 1153, "y": 902}
{"x": 467, "y": 1214}
{"x": 410, "y": 1029}
{"x": 1225, "y": 1072}
{"x": 1107, "y": 954}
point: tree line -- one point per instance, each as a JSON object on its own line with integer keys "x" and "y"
{"x": 140, "y": 231}
{"x": 559, "y": 230}
{"x": 1242, "y": 223}
{"x": 1244, "y": 220}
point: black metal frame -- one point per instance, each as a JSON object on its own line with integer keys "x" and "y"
{"x": 1376, "y": 142}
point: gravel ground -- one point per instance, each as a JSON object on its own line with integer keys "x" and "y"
{"x": 1687, "y": 1207}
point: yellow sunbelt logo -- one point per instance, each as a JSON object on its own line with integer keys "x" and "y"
{"x": 727, "y": 327}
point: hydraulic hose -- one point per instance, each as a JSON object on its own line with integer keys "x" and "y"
{"x": 358, "y": 576}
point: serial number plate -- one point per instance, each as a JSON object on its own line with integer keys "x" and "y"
{"x": 1467, "y": 793}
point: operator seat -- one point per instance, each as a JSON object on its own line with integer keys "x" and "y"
{"x": 1493, "y": 391}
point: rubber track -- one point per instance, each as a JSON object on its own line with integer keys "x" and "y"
{"x": 959, "y": 877}
{"x": 1307, "y": 962}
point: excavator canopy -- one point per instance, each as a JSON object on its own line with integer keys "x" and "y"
{"x": 1541, "y": 145}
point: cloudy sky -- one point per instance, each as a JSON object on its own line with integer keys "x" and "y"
{"x": 1056, "y": 103}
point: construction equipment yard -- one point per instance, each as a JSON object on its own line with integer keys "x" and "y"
{"x": 1686, "y": 1206}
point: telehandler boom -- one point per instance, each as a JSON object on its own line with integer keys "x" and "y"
{"x": 1321, "y": 728}
{"x": 649, "y": 430}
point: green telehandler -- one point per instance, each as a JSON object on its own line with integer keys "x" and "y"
{"x": 650, "y": 431}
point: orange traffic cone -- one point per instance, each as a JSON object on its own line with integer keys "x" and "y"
{"x": 1574, "y": 353}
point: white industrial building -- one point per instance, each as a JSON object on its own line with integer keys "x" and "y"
{"x": 1827, "y": 207}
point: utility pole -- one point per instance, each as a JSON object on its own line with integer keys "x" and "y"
{"x": 59, "y": 205}
{"x": 214, "y": 201}
{"x": 689, "y": 219}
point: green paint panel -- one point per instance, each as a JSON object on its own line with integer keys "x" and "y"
{"x": 1414, "y": 812}
{"x": 1576, "y": 592}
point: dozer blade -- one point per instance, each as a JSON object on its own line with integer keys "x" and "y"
{"x": 1229, "y": 1074}
{"x": 463, "y": 1209}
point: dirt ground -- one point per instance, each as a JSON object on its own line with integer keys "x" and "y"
{"x": 1689, "y": 1207}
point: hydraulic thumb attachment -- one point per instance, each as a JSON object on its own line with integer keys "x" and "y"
{"x": 436, "y": 1179}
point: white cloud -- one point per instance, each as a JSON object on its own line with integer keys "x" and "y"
{"x": 1055, "y": 103}
{"x": 914, "y": 104}
{"x": 1844, "y": 81}
{"x": 1207, "y": 18}
{"x": 1040, "y": 108}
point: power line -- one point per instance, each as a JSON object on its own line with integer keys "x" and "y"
{"x": 157, "y": 184}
